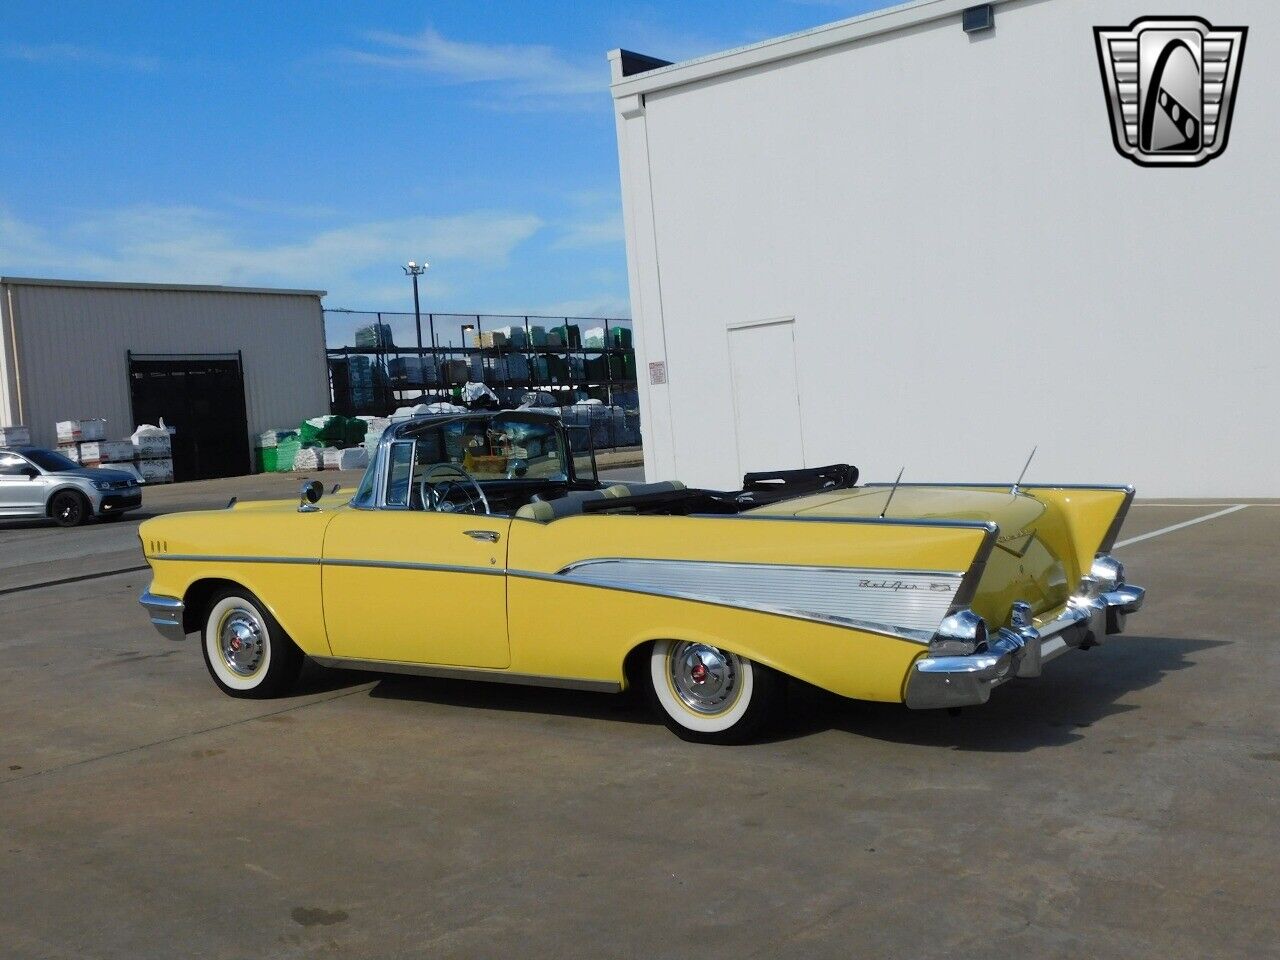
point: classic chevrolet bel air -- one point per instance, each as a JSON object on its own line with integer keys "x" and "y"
{"x": 481, "y": 546}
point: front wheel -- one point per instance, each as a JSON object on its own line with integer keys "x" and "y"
{"x": 246, "y": 650}
{"x": 708, "y": 695}
{"x": 69, "y": 509}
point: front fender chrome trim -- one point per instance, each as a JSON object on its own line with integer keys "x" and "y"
{"x": 201, "y": 558}
{"x": 494, "y": 571}
{"x": 338, "y": 562}
{"x": 166, "y": 614}
{"x": 469, "y": 673}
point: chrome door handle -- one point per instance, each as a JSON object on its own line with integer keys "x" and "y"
{"x": 489, "y": 536}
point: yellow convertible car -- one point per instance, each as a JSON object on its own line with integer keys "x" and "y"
{"x": 480, "y": 546}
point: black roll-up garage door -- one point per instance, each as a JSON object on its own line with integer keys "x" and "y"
{"x": 202, "y": 398}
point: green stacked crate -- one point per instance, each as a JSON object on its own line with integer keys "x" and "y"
{"x": 267, "y": 459}
{"x": 570, "y": 336}
{"x": 286, "y": 453}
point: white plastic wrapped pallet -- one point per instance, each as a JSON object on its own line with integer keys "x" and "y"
{"x": 15, "y": 436}
{"x": 76, "y": 431}
{"x": 310, "y": 459}
{"x": 351, "y": 458}
{"x": 155, "y": 471}
{"x": 152, "y": 442}
{"x": 377, "y": 427}
{"x": 474, "y": 391}
{"x": 272, "y": 438}
{"x": 106, "y": 451}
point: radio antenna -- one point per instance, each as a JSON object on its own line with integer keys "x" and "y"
{"x": 892, "y": 492}
{"x": 1025, "y": 467}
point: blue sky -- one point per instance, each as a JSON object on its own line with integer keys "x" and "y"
{"x": 318, "y": 145}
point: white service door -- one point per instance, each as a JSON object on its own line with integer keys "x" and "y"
{"x": 766, "y": 396}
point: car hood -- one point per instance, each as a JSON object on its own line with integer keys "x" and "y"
{"x": 95, "y": 473}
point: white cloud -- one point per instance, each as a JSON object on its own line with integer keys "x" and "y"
{"x": 590, "y": 233}
{"x": 523, "y": 71}
{"x": 71, "y": 53}
{"x": 195, "y": 245}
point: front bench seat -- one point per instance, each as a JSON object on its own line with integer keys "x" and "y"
{"x": 544, "y": 511}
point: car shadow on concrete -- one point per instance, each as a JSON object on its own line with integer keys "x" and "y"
{"x": 36, "y": 523}
{"x": 1075, "y": 692}
{"x": 314, "y": 679}
{"x": 627, "y": 707}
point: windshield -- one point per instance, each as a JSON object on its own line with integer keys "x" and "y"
{"x": 497, "y": 448}
{"x": 48, "y": 460}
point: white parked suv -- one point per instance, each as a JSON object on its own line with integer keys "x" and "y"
{"x": 42, "y": 483}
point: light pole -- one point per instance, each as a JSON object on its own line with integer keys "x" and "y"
{"x": 415, "y": 270}
{"x": 465, "y": 328}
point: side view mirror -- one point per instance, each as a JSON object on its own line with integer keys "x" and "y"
{"x": 31, "y": 472}
{"x": 309, "y": 496}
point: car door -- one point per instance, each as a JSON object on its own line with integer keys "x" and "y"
{"x": 415, "y": 586}
{"x": 19, "y": 493}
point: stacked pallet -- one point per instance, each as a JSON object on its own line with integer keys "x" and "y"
{"x": 15, "y": 436}
{"x": 153, "y": 453}
{"x": 147, "y": 454}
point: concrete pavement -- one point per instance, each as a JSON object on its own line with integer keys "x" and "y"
{"x": 1124, "y": 805}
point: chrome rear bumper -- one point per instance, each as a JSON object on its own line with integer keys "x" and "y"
{"x": 166, "y": 615}
{"x": 1020, "y": 651}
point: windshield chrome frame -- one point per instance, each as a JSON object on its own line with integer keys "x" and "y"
{"x": 396, "y": 433}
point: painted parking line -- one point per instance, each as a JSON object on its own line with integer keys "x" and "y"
{"x": 1179, "y": 526}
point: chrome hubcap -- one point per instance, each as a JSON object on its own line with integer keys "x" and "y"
{"x": 241, "y": 638}
{"x": 705, "y": 678}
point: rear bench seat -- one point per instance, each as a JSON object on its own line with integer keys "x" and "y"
{"x": 544, "y": 511}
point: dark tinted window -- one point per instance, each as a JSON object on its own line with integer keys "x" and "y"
{"x": 48, "y": 460}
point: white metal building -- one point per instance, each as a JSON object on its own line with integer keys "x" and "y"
{"x": 220, "y": 364}
{"x": 888, "y": 241}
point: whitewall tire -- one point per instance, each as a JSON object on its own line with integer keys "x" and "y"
{"x": 709, "y": 695}
{"x": 246, "y": 650}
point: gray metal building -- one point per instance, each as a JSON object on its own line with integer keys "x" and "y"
{"x": 890, "y": 241}
{"x": 220, "y": 364}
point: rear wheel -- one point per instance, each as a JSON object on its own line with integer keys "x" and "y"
{"x": 69, "y": 509}
{"x": 706, "y": 694}
{"x": 246, "y": 650}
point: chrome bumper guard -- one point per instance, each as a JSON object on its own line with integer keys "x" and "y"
{"x": 166, "y": 615}
{"x": 1021, "y": 650}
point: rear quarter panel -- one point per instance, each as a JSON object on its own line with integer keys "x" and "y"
{"x": 577, "y": 630}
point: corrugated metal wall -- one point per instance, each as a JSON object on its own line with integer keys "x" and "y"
{"x": 72, "y": 342}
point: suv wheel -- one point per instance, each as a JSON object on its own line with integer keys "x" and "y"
{"x": 69, "y": 509}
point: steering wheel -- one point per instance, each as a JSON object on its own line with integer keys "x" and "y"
{"x": 435, "y": 494}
